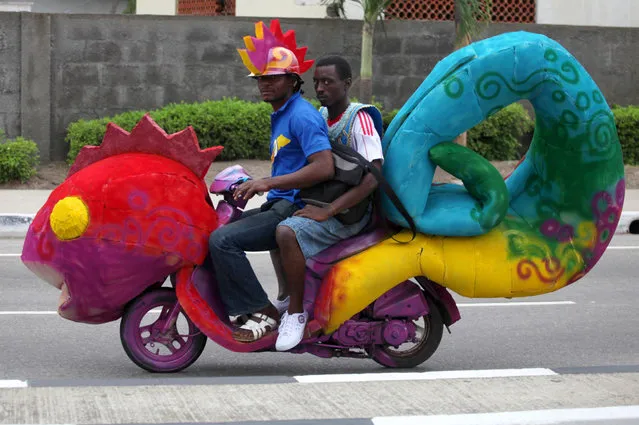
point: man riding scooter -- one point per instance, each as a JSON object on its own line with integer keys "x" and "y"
{"x": 313, "y": 228}
{"x": 300, "y": 156}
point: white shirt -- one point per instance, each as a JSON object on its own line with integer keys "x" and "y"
{"x": 366, "y": 140}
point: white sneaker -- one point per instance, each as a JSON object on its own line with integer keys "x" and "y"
{"x": 291, "y": 330}
{"x": 282, "y": 306}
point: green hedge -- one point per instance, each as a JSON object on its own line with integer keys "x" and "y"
{"x": 18, "y": 159}
{"x": 628, "y": 129}
{"x": 498, "y": 137}
{"x": 387, "y": 117}
{"x": 243, "y": 128}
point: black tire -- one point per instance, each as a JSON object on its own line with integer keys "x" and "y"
{"x": 434, "y": 330}
{"x": 132, "y": 340}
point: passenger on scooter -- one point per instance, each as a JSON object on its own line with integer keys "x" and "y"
{"x": 301, "y": 157}
{"x": 313, "y": 229}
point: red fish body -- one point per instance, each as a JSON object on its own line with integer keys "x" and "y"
{"x": 131, "y": 212}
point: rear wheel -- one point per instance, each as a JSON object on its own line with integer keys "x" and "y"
{"x": 428, "y": 335}
{"x": 153, "y": 339}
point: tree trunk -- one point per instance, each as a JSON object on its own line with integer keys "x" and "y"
{"x": 366, "y": 69}
{"x": 461, "y": 40}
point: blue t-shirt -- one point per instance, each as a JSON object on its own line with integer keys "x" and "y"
{"x": 297, "y": 131}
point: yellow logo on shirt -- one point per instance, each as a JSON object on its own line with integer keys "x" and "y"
{"x": 278, "y": 144}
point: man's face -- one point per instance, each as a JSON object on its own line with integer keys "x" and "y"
{"x": 274, "y": 88}
{"x": 329, "y": 88}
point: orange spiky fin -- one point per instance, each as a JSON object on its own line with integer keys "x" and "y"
{"x": 148, "y": 137}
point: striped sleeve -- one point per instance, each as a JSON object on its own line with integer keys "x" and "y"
{"x": 366, "y": 123}
{"x": 365, "y": 138}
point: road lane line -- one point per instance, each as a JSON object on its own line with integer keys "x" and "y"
{"x": 45, "y": 312}
{"x": 318, "y": 379}
{"x": 156, "y": 311}
{"x": 13, "y": 383}
{"x": 26, "y": 313}
{"x": 280, "y": 379}
{"x": 515, "y": 304}
{"x": 620, "y": 247}
{"x": 422, "y": 376}
{"x": 530, "y": 417}
{"x": 248, "y": 253}
{"x": 267, "y": 252}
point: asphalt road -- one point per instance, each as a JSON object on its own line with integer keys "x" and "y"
{"x": 596, "y": 325}
{"x": 568, "y": 358}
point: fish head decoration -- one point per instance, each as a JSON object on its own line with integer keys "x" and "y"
{"x": 130, "y": 213}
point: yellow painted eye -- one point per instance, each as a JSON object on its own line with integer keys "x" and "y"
{"x": 69, "y": 218}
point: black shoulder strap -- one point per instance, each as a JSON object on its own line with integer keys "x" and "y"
{"x": 354, "y": 156}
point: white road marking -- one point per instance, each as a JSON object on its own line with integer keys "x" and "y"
{"x": 421, "y": 376}
{"x": 248, "y": 253}
{"x": 42, "y": 313}
{"x": 12, "y": 383}
{"x": 515, "y": 304}
{"x": 267, "y": 252}
{"x": 26, "y": 312}
{"x": 532, "y": 417}
{"x": 502, "y": 304}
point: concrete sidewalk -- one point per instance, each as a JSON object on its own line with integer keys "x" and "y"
{"x": 17, "y": 208}
{"x": 228, "y": 403}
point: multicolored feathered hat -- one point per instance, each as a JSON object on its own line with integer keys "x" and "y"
{"x": 273, "y": 53}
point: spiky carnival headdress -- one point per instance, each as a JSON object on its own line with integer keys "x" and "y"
{"x": 256, "y": 55}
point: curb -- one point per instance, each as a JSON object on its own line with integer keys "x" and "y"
{"x": 628, "y": 219}
{"x": 16, "y": 225}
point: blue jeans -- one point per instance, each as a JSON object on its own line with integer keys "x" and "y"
{"x": 240, "y": 290}
{"x": 314, "y": 237}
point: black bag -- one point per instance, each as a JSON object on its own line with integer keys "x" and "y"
{"x": 350, "y": 168}
{"x": 348, "y": 174}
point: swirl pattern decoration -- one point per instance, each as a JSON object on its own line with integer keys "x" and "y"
{"x": 542, "y": 228}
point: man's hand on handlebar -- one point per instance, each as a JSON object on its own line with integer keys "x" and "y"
{"x": 250, "y": 188}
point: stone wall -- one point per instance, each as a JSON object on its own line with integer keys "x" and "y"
{"x": 55, "y": 69}
{"x": 10, "y": 73}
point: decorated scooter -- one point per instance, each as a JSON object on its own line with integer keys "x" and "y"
{"x": 402, "y": 328}
{"x": 136, "y": 210}
{"x": 110, "y": 235}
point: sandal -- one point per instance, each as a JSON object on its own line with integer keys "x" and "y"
{"x": 240, "y": 320}
{"x": 257, "y": 326}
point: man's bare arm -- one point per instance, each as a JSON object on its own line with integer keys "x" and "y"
{"x": 320, "y": 168}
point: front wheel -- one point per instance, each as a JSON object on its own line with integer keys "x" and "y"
{"x": 158, "y": 338}
{"x": 428, "y": 335}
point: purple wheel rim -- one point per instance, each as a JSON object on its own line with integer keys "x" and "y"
{"x": 145, "y": 342}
